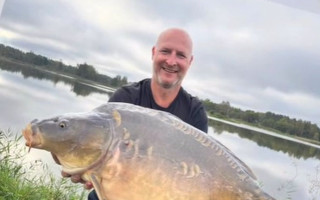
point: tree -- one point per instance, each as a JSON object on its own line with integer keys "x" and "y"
{"x": 124, "y": 81}
{"x": 116, "y": 81}
{"x": 224, "y": 108}
{"x": 86, "y": 71}
{"x": 250, "y": 116}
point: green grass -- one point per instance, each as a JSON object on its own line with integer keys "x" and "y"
{"x": 22, "y": 180}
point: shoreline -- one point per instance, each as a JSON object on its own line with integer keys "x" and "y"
{"x": 264, "y": 131}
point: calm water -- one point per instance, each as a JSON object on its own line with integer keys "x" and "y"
{"x": 285, "y": 169}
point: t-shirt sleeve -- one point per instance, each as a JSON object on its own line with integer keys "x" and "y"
{"x": 121, "y": 95}
{"x": 198, "y": 117}
{"x": 201, "y": 119}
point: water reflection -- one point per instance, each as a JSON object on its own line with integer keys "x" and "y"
{"x": 314, "y": 189}
{"x": 280, "y": 174}
{"x": 78, "y": 87}
{"x": 293, "y": 149}
{"x": 285, "y": 169}
{"x": 22, "y": 100}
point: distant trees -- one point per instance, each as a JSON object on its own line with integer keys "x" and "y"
{"x": 10, "y": 52}
{"x": 32, "y": 58}
{"x": 81, "y": 70}
{"x": 86, "y": 71}
{"x": 271, "y": 120}
{"x": 118, "y": 80}
{"x": 298, "y": 150}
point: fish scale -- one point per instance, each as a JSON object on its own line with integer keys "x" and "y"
{"x": 136, "y": 153}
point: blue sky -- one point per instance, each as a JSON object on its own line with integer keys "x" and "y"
{"x": 261, "y": 55}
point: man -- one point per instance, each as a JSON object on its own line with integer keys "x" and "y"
{"x": 172, "y": 57}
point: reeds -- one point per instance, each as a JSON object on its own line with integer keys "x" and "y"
{"x": 30, "y": 180}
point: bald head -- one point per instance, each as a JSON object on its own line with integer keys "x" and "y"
{"x": 177, "y": 35}
{"x": 172, "y": 57}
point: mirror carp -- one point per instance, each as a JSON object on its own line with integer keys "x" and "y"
{"x": 133, "y": 153}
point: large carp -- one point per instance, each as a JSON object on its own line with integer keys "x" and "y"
{"x": 134, "y": 153}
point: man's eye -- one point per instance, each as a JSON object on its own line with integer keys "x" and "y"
{"x": 181, "y": 56}
{"x": 165, "y": 51}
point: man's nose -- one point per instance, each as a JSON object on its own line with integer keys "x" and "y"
{"x": 172, "y": 59}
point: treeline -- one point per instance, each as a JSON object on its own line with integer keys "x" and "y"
{"x": 28, "y": 70}
{"x": 291, "y": 148}
{"x": 269, "y": 120}
{"x": 84, "y": 70}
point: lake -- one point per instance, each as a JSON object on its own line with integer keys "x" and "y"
{"x": 284, "y": 168}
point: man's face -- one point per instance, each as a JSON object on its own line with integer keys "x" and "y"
{"x": 172, "y": 57}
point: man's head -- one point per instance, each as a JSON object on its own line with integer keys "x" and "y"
{"x": 172, "y": 57}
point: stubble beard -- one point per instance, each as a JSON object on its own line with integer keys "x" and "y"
{"x": 168, "y": 85}
{"x": 165, "y": 84}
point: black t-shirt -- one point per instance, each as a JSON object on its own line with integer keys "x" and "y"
{"x": 184, "y": 106}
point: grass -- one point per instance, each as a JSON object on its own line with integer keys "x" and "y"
{"x": 21, "y": 180}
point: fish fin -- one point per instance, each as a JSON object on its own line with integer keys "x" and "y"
{"x": 97, "y": 186}
{"x": 243, "y": 165}
{"x": 117, "y": 117}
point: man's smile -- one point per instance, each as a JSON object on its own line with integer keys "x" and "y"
{"x": 169, "y": 69}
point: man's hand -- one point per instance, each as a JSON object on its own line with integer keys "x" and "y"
{"x": 77, "y": 179}
{"x": 74, "y": 178}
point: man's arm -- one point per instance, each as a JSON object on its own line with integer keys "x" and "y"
{"x": 121, "y": 95}
{"x": 201, "y": 121}
{"x": 200, "y": 118}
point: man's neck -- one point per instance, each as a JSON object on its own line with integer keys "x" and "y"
{"x": 162, "y": 96}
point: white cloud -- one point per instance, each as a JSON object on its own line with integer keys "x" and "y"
{"x": 1, "y": 6}
{"x": 255, "y": 54}
{"x": 307, "y": 5}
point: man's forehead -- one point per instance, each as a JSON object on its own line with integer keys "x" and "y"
{"x": 182, "y": 47}
{"x": 175, "y": 37}
{"x": 175, "y": 43}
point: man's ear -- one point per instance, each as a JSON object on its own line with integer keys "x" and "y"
{"x": 153, "y": 52}
{"x": 191, "y": 59}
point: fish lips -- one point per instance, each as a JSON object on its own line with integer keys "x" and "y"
{"x": 33, "y": 140}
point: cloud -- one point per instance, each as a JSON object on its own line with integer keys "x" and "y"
{"x": 1, "y": 6}
{"x": 259, "y": 55}
{"x": 308, "y": 5}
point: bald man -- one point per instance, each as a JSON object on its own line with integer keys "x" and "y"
{"x": 172, "y": 58}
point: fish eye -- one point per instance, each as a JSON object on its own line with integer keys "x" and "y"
{"x": 62, "y": 125}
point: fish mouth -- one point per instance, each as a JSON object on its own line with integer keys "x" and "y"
{"x": 33, "y": 139}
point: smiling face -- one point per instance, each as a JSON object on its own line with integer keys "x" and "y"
{"x": 172, "y": 57}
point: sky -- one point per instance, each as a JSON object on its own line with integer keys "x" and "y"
{"x": 261, "y": 55}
